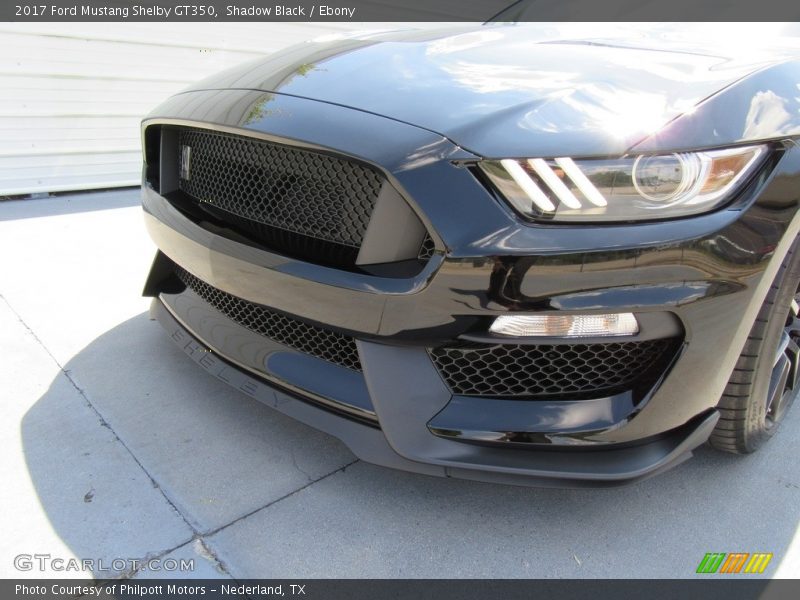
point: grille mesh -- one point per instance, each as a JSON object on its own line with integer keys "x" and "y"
{"x": 308, "y": 339}
{"x": 427, "y": 248}
{"x": 546, "y": 370}
{"x": 285, "y": 197}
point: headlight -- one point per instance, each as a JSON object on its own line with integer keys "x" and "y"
{"x": 642, "y": 187}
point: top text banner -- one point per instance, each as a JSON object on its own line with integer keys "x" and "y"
{"x": 400, "y": 10}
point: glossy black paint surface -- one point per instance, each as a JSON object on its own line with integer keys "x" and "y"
{"x": 544, "y": 422}
{"x": 517, "y": 90}
{"x": 708, "y": 274}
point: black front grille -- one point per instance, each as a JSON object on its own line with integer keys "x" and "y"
{"x": 553, "y": 370}
{"x": 309, "y": 339}
{"x": 305, "y": 204}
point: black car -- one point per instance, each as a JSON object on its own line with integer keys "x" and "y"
{"x": 488, "y": 253}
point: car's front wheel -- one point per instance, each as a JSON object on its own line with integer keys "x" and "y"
{"x": 765, "y": 380}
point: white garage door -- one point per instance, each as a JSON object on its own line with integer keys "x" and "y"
{"x": 72, "y": 95}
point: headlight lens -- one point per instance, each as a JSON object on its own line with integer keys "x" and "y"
{"x": 642, "y": 187}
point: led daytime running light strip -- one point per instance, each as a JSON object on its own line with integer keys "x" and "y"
{"x": 543, "y": 170}
{"x": 528, "y": 185}
{"x": 581, "y": 181}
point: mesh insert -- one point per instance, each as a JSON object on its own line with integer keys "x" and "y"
{"x": 427, "y": 248}
{"x": 284, "y": 197}
{"x": 547, "y": 370}
{"x": 303, "y": 337}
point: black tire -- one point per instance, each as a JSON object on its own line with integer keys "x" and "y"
{"x": 757, "y": 396}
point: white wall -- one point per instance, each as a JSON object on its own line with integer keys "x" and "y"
{"x": 72, "y": 95}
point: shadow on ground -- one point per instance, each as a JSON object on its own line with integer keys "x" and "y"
{"x": 272, "y": 498}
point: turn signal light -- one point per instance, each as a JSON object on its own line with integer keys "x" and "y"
{"x": 568, "y": 326}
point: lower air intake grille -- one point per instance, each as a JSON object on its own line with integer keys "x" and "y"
{"x": 328, "y": 345}
{"x": 302, "y": 203}
{"x": 546, "y": 370}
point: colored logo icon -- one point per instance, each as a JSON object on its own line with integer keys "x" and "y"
{"x": 734, "y": 562}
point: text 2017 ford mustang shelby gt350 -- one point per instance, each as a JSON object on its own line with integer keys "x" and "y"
{"x": 486, "y": 254}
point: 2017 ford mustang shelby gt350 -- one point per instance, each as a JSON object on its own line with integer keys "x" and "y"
{"x": 487, "y": 255}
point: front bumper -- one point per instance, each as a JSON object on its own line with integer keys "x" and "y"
{"x": 705, "y": 277}
{"x": 439, "y": 457}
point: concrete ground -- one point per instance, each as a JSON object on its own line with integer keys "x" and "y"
{"x": 116, "y": 446}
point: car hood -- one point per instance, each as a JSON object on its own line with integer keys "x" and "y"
{"x": 504, "y": 90}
